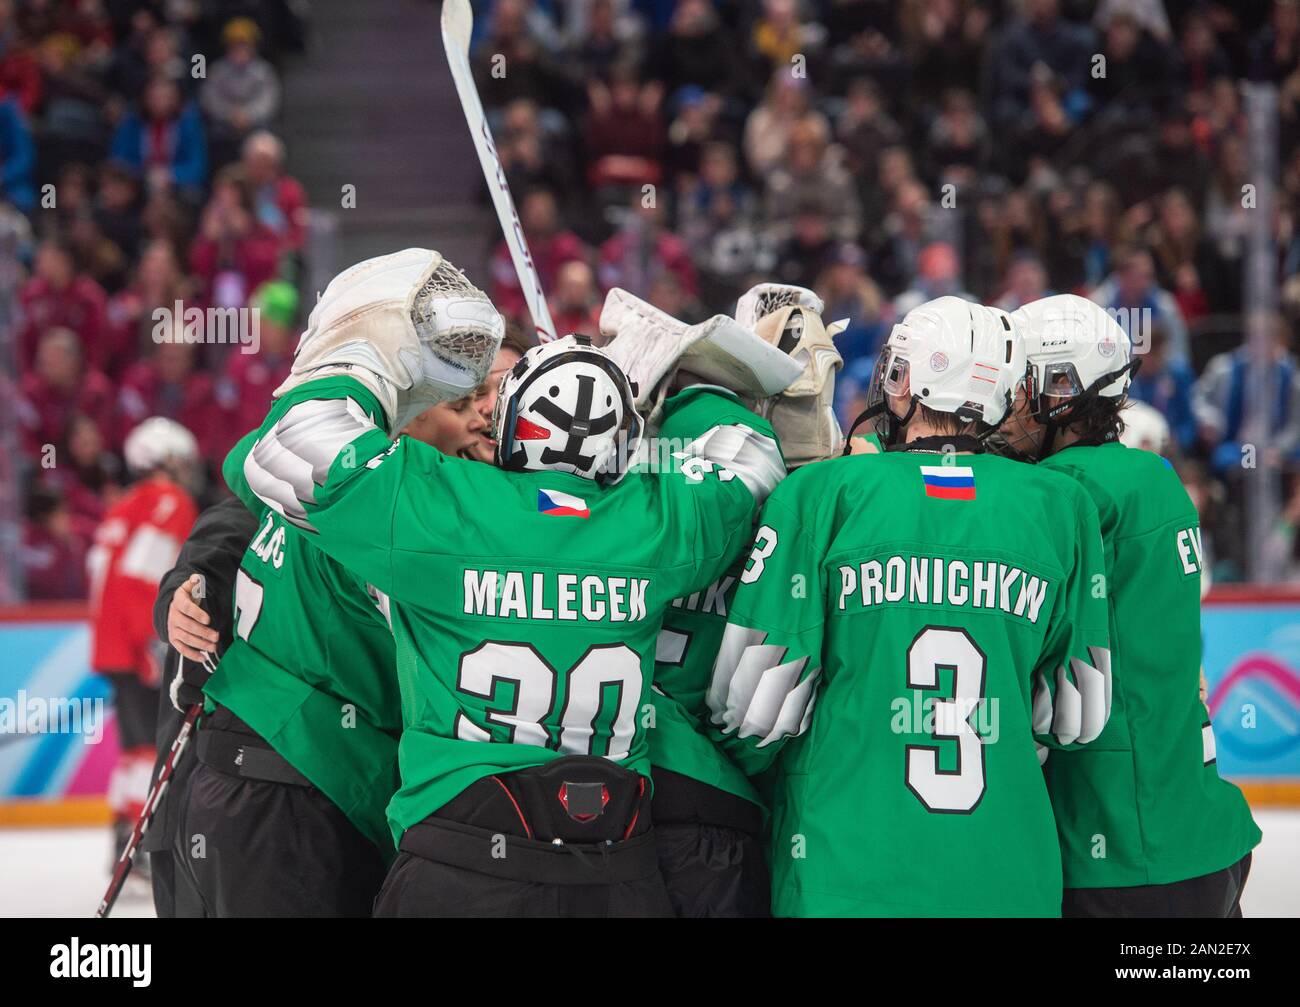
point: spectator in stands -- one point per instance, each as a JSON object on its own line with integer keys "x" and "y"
{"x": 234, "y": 252}
{"x": 907, "y": 229}
{"x": 74, "y": 95}
{"x": 1275, "y": 51}
{"x": 1131, "y": 291}
{"x": 53, "y": 555}
{"x": 1137, "y": 81}
{"x": 58, "y": 386}
{"x": 813, "y": 168}
{"x": 575, "y": 303}
{"x": 241, "y": 93}
{"x": 601, "y": 40}
{"x": 1026, "y": 281}
{"x": 1219, "y": 403}
{"x": 955, "y": 146}
{"x": 865, "y": 129}
{"x": 626, "y": 135}
{"x": 779, "y": 37}
{"x": 512, "y": 42}
{"x": 168, "y": 382}
{"x": 158, "y": 282}
{"x": 1166, "y": 385}
{"x": 809, "y": 249}
{"x": 769, "y": 125}
{"x": 1040, "y": 38}
{"x": 116, "y": 208}
{"x": 244, "y": 390}
{"x": 550, "y": 243}
{"x": 643, "y": 249}
{"x": 698, "y": 122}
{"x": 17, "y": 157}
{"x": 938, "y": 274}
{"x": 20, "y": 73}
{"x": 1182, "y": 257}
{"x": 59, "y": 295}
{"x": 699, "y": 50}
{"x": 163, "y": 140}
{"x": 1200, "y": 57}
{"x": 279, "y": 200}
{"x": 848, "y": 292}
{"x": 715, "y": 202}
{"x": 88, "y": 475}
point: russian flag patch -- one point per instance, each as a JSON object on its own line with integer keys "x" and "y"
{"x": 948, "y": 482}
{"x": 558, "y": 504}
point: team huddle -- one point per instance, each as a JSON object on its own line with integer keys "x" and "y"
{"x": 658, "y": 643}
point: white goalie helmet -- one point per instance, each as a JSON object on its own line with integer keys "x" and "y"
{"x": 1073, "y": 348}
{"x": 409, "y": 324}
{"x": 157, "y": 443}
{"x": 953, "y": 356}
{"x": 566, "y": 406}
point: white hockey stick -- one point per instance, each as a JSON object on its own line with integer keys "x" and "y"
{"x": 457, "y": 24}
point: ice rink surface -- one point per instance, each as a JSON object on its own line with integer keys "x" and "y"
{"x": 62, "y": 872}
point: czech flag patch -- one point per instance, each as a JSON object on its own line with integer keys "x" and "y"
{"x": 948, "y": 482}
{"x": 558, "y": 504}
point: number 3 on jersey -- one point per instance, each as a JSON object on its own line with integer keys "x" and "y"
{"x": 601, "y": 695}
{"x": 948, "y": 791}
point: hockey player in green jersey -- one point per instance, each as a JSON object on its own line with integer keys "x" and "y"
{"x": 524, "y": 604}
{"x": 1147, "y": 825}
{"x": 298, "y": 747}
{"x": 897, "y": 644}
{"x": 708, "y": 817}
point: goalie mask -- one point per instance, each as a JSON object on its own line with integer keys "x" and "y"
{"x": 567, "y": 407}
{"x": 409, "y": 324}
{"x": 803, "y": 415}
{"x": 1076, "y": 354}
{"x": 952, "y": 356}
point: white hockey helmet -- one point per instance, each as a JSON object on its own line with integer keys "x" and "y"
{"x": 157, "y": 443}
{"x": 1074, "y": 349}
{"x": 567, "y": 406}
{"x": 1145, "y": 427}
{"x": 953, "y": 356}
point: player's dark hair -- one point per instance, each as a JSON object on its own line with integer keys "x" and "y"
{"x": 514, "y": 338}
{"x": 1096, "y": 420}
{"x": 952, "y": 424}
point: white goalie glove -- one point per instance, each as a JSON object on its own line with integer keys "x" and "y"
{"x": 803, "y": 414}
{"x": 651, "y": 346}
{"x": 408, "y": 325}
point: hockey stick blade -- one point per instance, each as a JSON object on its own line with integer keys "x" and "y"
{"x": 457, "y": 26}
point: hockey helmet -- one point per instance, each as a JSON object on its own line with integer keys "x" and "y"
{"x": 157, "y": 443}
{"x": 953, "y": 356}
{"x": 566, "y": 406}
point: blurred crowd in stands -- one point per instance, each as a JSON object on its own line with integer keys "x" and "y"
{"x": 882, "y": 152}
{"x": 138, "y": 171}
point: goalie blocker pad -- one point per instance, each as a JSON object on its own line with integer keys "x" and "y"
{"x": 650, "y": 345}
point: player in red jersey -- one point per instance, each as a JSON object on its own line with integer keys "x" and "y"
{"x": 135, "y": 545}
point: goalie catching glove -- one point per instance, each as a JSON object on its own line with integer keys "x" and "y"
{"x": 803, "y": 415}
{"x": 408, "y": 325}
{"x": 651, "y": 347}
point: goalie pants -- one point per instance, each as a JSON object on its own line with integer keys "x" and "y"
{"x": 255, "y": 838}
{"x": 710, "y": 853}
{"x": 571, "y": 838}
{"x": 1211, "y": 896}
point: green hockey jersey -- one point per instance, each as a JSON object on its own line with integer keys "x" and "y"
{"x": 524, "y": 606}
{"x": 311, "y": 670}
{"x": 1144, "y": 804}
{"x": 684, "y": 654}
{"x": 915, "y": 627}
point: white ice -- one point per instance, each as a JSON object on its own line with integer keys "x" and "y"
{"x": 63, "y": 872}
